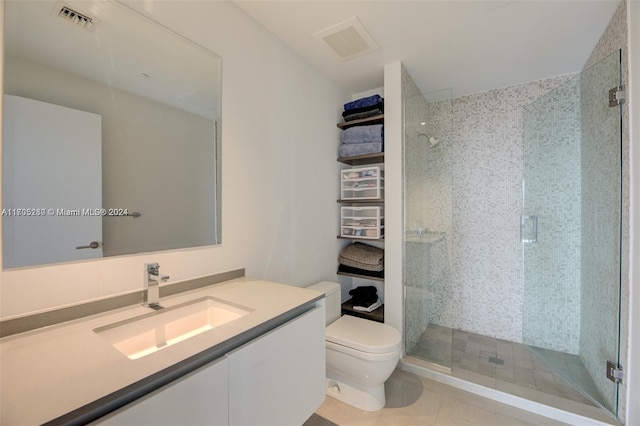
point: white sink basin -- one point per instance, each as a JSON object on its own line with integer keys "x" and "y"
{"x": 145, "y": 335}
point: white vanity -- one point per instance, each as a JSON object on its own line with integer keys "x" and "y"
{"x": 266, "y": 365}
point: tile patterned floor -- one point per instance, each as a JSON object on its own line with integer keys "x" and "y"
{"x": 414, "y": 400}
{"x": 509, "y": 366}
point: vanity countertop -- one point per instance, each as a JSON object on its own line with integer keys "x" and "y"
{"x": 52, "y": 371}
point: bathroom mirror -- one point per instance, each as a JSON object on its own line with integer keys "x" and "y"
{"x": 111, "y": 128}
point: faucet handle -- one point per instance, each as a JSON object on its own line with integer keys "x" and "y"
{"x": 153, "y": 268}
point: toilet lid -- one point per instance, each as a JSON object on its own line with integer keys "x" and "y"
{"x": 363, "y": 335}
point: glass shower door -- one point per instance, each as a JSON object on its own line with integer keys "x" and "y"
{"x": 427, "y": 219}
{"x": 570, "y": 230}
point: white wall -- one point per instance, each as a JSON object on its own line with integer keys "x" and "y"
{"x": 279, "y": 174}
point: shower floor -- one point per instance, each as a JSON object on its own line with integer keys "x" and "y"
{"x": 508, "y": 366}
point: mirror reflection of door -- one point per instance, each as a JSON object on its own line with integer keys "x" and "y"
{"x": 52, "y": 159}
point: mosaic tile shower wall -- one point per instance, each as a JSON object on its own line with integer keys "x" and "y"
{"x": 552, "y": 194}
{"x": 487, "y": 170}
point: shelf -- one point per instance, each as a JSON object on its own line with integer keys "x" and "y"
{"x": 365, "y": 201}
{"x": 366, "y": 277}
{"x": 363, "y": 160}
{"x": 377, "y": 315}
{"x": 340, "y": 237}
{"x": 376, "y": 119}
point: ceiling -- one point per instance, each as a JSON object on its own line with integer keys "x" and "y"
{"x": 468, "y": 46}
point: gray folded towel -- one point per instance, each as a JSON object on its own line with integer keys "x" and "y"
{"x": 353, "y": 149}
{"x": 362, "y": 256}
{"x": 361, "y": 134}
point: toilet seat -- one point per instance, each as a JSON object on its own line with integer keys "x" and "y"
{"x": 362, "y": 335}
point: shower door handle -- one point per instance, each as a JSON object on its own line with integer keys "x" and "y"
{"x": 524, "y": 220}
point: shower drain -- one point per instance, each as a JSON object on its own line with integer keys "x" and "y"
{"x": 497, "y": 361}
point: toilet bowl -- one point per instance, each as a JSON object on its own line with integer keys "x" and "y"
{"x": 360, "y": 354}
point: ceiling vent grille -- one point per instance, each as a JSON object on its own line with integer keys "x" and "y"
{"x": 348, "y": 39}
{"x": 80, "y": 19}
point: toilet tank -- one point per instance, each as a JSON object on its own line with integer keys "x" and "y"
{"x": 332, "y": 301}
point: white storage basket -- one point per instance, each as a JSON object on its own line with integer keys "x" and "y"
{"x": 362, "y": 222}
{"x": 362, "y": 183}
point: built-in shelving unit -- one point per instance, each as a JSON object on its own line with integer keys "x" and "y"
{"x": 362, "y": 160}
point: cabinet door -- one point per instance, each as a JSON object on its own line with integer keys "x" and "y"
{"x": 279, "y": 378}
{"x": 199, "y": 398}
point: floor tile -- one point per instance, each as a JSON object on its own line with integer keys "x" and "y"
{"x": 414, "y": 400}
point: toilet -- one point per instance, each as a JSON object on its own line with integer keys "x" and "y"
{"x": 361, "y": 354}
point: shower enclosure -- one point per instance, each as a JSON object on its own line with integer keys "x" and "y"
{"x": 428, "y": 225}
{"x": 570, "y": 229}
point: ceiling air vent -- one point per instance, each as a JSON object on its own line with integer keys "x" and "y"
{"x": 348, "y": 39}
{"x": 81, "y": 19}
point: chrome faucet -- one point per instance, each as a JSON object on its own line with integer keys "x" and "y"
{"x": 152, "y": 279}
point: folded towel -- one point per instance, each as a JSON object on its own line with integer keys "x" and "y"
{"x": 353, "y": 149}
{"x": 364, "y": 296}
{"x": 363, "y": 254}
{"x": 377, "y": 267}
{"x": 363, "y": 134}
{"x": 349, "y": 270}
{"x": 367, "y": 291}
{"x": 363, "y": 102}
{"x": 376, "y": 107}
{"x": 361, "y": 115}
{"x": 369, "y": 308}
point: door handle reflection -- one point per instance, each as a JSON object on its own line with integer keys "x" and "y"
{"x": 524, "y": 219}
{"x": 91, "y": 245}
